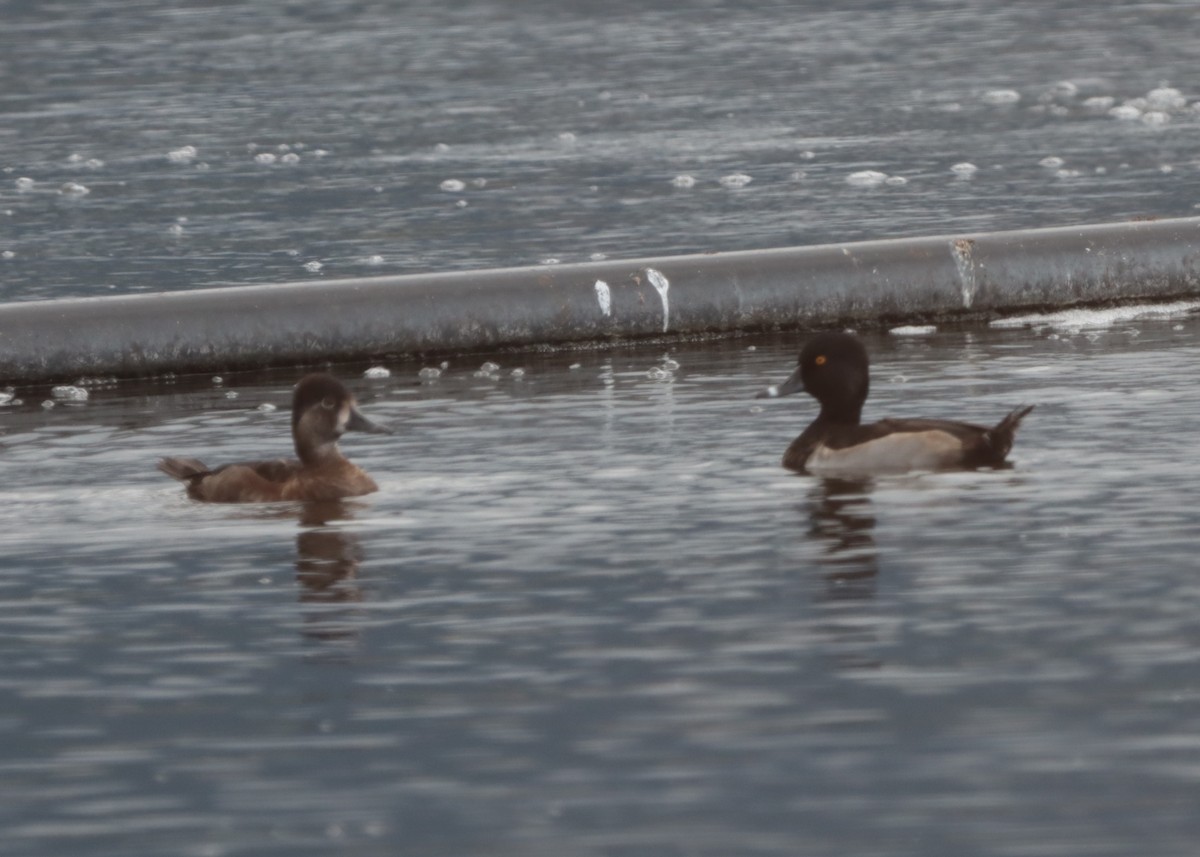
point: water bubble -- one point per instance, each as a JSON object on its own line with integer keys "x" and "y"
{"x": 290, "y": 158}
{"x": 313, "y": 267}
{"x": 1155, "y": 118}
{"x": 377, "y": 372}
{"x": 445, "y": 364}
{"x": 175, "y": 229}
{"x": 47, "y": 404}
{"x": 798, "y": 175}
{"x": 598, "y": 257}
{"x": 657, "y": 373}
{"x": 866, "y": 178}
{"x": 1066, "y": 174}
{"x": 895, "y": 181}
{"x": 1051, "y": 161}
{"x": 683, "y": 181}
{"x": 1064, "y": 89}
{"x": 24, "y": 183}
{"x": 74, "y": 189}
{"x": 735, "y": 180}
{"x": 1165, "y": 169}
{"x": 5, "y": 397}
{"x": 517, "y": 373}
{"x": 898, "y": 379}
{"x": 490, "y": 368}
{"x": 566, "y": 137}
{"x": 74, "y": 158}
{"x": 1125, "y": 113}
{"x": 182, "y": 155}
{"x": 807, "y": 155}
{"x": 374, "y": 260}
{"x": 1001, "y": 96}
{"x": 913, "y": 330}
{"x": 964, "y": 169}
{"x": 1099, "y": 103}
{"x": 480, "y": 182}
{"x": 93, "y": 163}
{"x": 429, "y": 373}
{"x": 549, "y": 260}
{"x": 267, "y": 407}
{"x": 452, "y": 185}
{"x": 442, "y": 147}
{"x": 669, "y": 364}
{"x": 231, "y": 394}
{"x": 8, "y": 254}
{"x": 572, "y": 367}
{"x": 1165, "y": 98}
{"x": 751, "y": 347}
{"x": 69, "y": 393}
{"x": 264, "y": 158}
{"x": 320, "y": 153}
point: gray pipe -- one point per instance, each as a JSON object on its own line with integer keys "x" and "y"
{"x": 865, "y": 283}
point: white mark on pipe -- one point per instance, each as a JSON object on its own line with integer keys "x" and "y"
{"x": 661, "y": 285}
{"x": 961, "y": 249}
{"x": 604, "y": 296}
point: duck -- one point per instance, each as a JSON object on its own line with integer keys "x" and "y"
{"x": 322, "y": 410}
{"x": 834, "y": 370}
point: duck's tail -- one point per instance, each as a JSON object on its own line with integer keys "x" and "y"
{"x": 1000, "y": 437}
{"x": 183, "y": 469}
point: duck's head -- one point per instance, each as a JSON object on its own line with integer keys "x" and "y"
{"x": 322, "y": 411}
{"x": 834, "y": 370}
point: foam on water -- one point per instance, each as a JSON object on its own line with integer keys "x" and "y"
{"x": 1075, "y": 320}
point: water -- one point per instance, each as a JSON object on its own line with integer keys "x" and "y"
{"x": 588, "y": 612}
{"x": 269, "y": 141}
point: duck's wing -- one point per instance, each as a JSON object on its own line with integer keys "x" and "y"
{"x": 243, "y": 482}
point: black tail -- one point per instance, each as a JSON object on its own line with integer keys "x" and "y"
{"x": 1000, "y": 438}
{"x": 183, "y": 469}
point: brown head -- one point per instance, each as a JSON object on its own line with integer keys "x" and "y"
{"x": 322, "y": 411}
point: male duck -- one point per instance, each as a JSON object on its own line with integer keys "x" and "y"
{"x": 322, "y": 409}
{"x": 834, "y": 370}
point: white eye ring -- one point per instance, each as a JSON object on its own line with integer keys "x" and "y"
{"x": 328, "y": 403}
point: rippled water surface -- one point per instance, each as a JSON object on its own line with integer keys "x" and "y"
{"x": 588, "y": 613}
{"x": 158, "y": 145}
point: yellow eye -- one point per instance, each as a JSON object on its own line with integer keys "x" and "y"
{"x": 820, "y": 361}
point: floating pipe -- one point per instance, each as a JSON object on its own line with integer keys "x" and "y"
{"x": 863, "y": 283}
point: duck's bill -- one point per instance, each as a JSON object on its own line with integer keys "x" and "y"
{"x": 358, "y": 422}
{"x": 793, "y": 384}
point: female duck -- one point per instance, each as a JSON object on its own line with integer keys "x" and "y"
{"x": 834, "y": 370}
{"x": 322, "y": 409}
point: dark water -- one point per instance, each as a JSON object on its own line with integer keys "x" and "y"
{"x": 559, "y": 127}
{"x": 588, "y": 613}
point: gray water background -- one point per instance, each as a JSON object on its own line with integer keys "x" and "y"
{"x": 565, "y": 124}
{"x": 587, "y": 613}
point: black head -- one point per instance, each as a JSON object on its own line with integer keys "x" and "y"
{"x": 835, "y": 371}
{"x": 322, "y": 410}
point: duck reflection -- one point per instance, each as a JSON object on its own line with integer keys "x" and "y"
{"x": 841, "y": 520}
{"x": 327, "y": 561}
